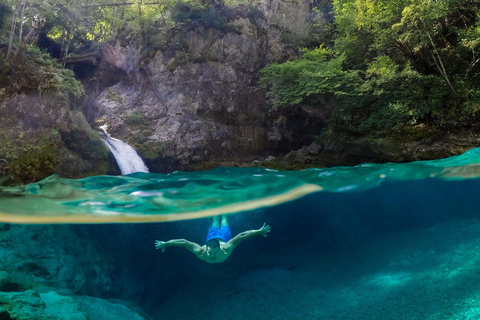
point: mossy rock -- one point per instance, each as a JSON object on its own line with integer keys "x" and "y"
{"x": 34, "y": 165}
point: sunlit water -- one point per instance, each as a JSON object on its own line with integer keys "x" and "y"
{"x": 151, "y": 197}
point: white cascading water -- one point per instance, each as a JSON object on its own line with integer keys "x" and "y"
{"x": 127, "y": 158}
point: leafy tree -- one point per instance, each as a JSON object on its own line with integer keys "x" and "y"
{"x": 397, "y": 96}
{"x": 195, "y": 14}
{"x": 5, "y": 12}
{"x": 430, "y": 35}
{"x": 317, "y": 78}
{"x": 416, "y": 61}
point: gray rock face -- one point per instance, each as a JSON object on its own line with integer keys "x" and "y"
{"x": 197, "y": 102}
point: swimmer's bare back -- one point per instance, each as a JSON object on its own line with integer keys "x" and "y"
{"x": 208, "y": 254}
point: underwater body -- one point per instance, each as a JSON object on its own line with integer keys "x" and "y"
{"x": 374, "y": 241}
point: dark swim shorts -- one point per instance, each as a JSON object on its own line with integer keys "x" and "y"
{"x": 224, "y": 233}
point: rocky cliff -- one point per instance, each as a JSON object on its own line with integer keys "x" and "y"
{"x": 42, "y": 129}
{"x": 189, "y": 102}
{"x": 193, "y": 103}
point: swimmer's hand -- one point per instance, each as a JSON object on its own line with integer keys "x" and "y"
{"x": 264, "y": 230}
{"x": 160, "y": 245}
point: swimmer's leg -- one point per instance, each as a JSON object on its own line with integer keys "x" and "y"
{"x": 216, "y": 222}
{"x": 224, "y": 221}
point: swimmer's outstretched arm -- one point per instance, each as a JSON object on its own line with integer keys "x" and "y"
{"x": 250, "y": 233}
{"x": 191, "y": 246}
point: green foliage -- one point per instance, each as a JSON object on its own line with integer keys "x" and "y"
{"x": 434, "y": 45}
{"x": 194, "y": 14}
{"x": 395, "y": 65}
{"x": 148, "y": 149}
{"x": 316, "y": 76}
{"x": 36, "y": 70}
{"x": 322, "y": 30}
{"x": 136, "y": 119}
{"x": 397, "y": 96}
{"x": 78, "y": 25}
{"x": 34, "y": 165}
{"x": 435, "y": 37}
{"x": 5, "y": 13}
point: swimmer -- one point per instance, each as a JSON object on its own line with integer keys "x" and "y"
{"x": 219, "y": 241}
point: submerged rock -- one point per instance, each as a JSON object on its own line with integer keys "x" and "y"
{"x": 100, "y": 309}
{"x": 52, "y": 272}
{"x": 33, "y": 257}
{"x": 4, "y": 314}
{"x": 61, "y": 307}
{"x": 50, "y": 305}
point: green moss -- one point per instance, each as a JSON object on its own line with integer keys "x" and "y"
{"x": 71, "y": 149}
{"x": 282, "y": 164}
{"x": 34, "y": 165}
{"x": 41, "y": 133}
{"x": 84, "y": 152}
{"x": 74, "y": 165}
{"x": 15, "y": 141}
{"x": 191, "y": 15}
{"x": 114, "y": 96}
{"x": 202, "y": 166}
{"x": 136, "y": 118}
{"x": 36, "y": 71}
{"x": 181, "y": 57}
{"x": 152, "y": 149}
{"x": 140, "y": 129}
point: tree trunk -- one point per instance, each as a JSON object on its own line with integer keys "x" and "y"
{"x": 12, "y": 31}
{"x": 114, "y": 19}
{"x": 22, "y": 16}
{"x": 65, "y": 54}
{"x": 140, "y": 21}
{"x": 437, "y": 59}
{"x": 62, "y": 48}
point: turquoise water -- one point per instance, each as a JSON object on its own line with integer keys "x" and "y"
{"x": 151, "y": 197}
{"x": 375, "y": 241}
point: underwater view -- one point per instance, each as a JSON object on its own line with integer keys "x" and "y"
{"x": 239, "y": 159}
{"x": 390, "y": 241}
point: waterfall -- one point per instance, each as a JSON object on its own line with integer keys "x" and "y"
{"x": 127, "y": 158}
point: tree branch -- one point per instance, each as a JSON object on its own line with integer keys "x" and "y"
{"x": 115, "y": 4}
{"x": 439, "y": 65}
